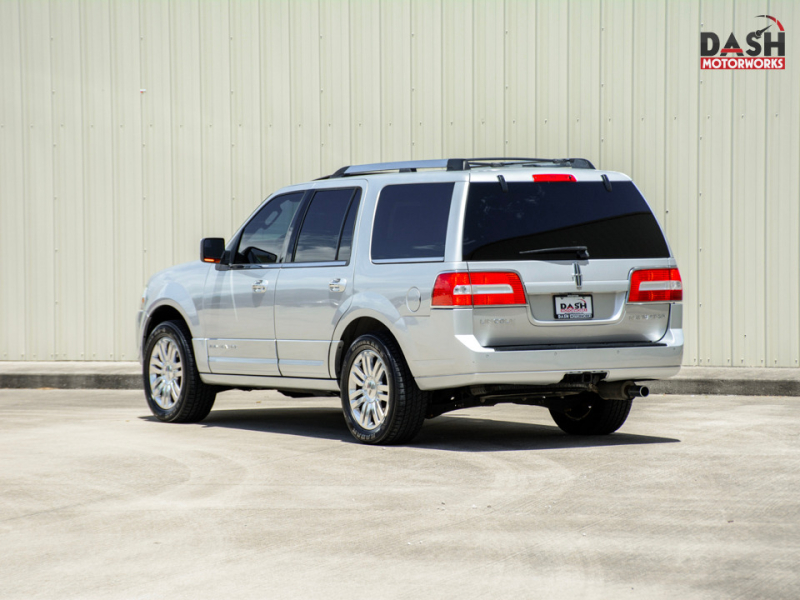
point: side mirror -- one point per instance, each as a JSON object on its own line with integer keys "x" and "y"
{"x": 212, "y": 249}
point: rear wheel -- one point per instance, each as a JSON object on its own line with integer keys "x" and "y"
{"x": 380, "y": 399}
{"x": 172, "y": 385}
{"x": 592, "y": 416}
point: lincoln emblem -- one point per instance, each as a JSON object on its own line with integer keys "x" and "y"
{"x": 576, "y": 275}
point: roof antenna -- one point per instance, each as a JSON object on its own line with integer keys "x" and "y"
{"x": 606, "y": 182}
{"x": 503, "y": 183}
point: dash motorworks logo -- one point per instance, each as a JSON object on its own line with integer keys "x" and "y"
{"x": 766, "y": 48}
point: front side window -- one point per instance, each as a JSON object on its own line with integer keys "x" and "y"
{"x": 325, "y": 224}
{"x": 263, "y": 237}
{"x": 411, "y": 222}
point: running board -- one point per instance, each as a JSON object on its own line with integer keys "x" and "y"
{"x": 270, "y": 383}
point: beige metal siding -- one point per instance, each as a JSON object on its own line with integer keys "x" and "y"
{"x": 158, "y": 201}
{"x": 69, "y": 194}
{"x": 129, "y": 129}
{"x": 37, "y": 249}
{"x": 681, "y": 170}
{"x": 583, "y": 77}
{"x": 394, "y": 79}
{"x": 13, "y": 315}
{"x": 782, "y": 191}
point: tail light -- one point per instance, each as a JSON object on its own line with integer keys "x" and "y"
{"x": 478, "y": 289}
{"x": 656, "y": 285}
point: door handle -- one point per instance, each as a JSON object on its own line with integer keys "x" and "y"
{"x": 337, "y": 285}
{"x": 260, "y": 286}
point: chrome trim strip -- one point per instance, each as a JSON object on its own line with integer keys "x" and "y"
{"x": 388, "y": 261}
{"x": 249, "y": 361}
{"x": 550, "y": 288}
{"x": 301, "y": 363}
{"x": 300, "y": 265}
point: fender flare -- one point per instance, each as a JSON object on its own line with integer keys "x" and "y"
{"x": 378, "y": 308}
{"x": 174, "y": 296}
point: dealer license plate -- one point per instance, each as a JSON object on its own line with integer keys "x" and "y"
{"x": 573, "y": 307}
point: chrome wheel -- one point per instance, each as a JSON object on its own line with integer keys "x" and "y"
{"x": 368, "y": 390}
{"x": 165, "y": 373}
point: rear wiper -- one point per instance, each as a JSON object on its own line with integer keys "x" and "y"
{"x": 582, "y": 252}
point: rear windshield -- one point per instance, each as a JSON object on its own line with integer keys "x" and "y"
{"x": 533, "y": 217}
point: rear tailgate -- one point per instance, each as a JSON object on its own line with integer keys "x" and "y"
{"x": 574, "y": 245}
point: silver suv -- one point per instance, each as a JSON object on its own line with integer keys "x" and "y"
{"x": 412, "y": 289}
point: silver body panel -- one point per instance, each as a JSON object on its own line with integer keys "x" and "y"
{"x": 307, "y": 307}
{"x": 239, "y": 321}
{"x": 287, "y": 335}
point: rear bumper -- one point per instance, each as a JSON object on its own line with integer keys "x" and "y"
{"x": 479, "y": 365}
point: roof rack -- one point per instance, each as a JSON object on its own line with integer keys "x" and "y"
{"x": 575, "y": 163}
{"x": 458, "y": 164}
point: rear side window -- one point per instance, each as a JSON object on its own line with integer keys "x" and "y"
{"x": 411, "y": 222}
{"x": 324, "y": 225}
{"x": 533, "y": 217}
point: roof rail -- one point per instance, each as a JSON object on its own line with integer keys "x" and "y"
{"x": 457, "y": 164}
{"x": 407, "y": 166}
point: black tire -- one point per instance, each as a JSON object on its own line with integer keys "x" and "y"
{"x": 179, "y": 396}
{"x": 593, "y": 416}
{"x": 394, "y": 415}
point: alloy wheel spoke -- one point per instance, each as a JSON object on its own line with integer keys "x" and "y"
{"x": 374, "y": 365}
{"x": 163, "y": 350}
{"x": 361, "y": 415}
{"x": 358, "y": 375}
{"x": 173, "y": 353}
{"x": 357, "y": 401}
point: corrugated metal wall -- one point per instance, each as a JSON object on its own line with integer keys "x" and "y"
{"x": 131, "y": 129}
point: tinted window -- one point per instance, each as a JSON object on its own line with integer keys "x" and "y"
{"x": 262, "y": 238}
{"x": 349, "y": 226}
{"x": 536, "y": 216}
{"x": 411, "y": 221}
{"x": 322, "y": 226}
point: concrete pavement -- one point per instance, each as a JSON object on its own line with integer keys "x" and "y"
{"x": 269, "y": 497}
{"x": 127, "y": 376}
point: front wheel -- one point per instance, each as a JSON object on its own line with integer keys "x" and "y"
{"x": 380, "y": 399}
{"x": 173, "y": 388}
{"x": 592, "y": 416}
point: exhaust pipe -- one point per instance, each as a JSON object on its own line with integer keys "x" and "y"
{"x": 638, "y": 391}
{"x": 621, "y": 390}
